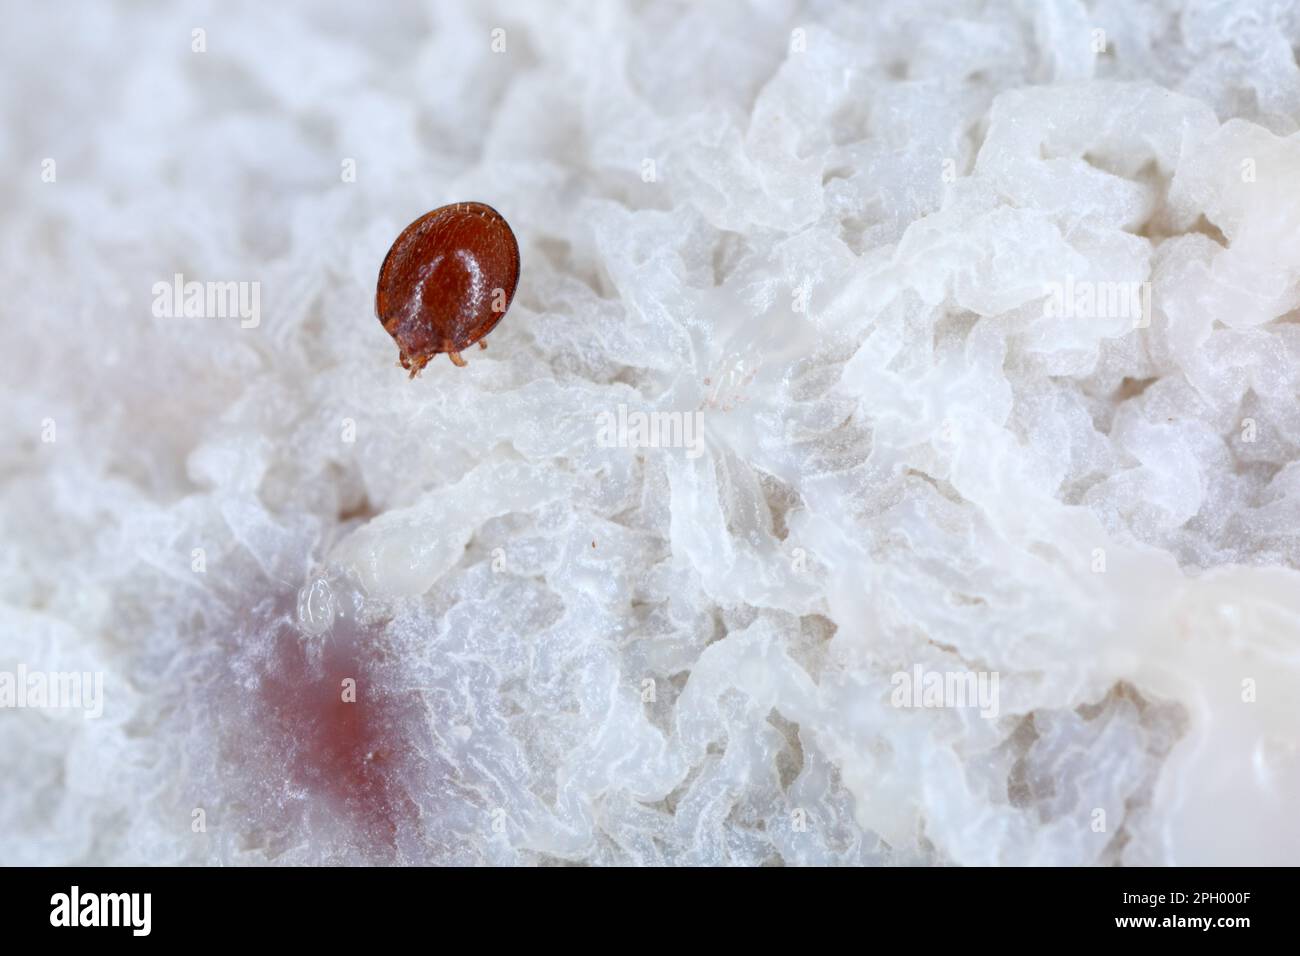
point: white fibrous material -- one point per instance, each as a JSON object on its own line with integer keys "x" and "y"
{"x": 889, "y": 456}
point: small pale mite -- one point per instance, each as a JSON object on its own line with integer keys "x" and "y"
{"x": 446, "y": 282}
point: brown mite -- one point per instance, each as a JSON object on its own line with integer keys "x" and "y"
{"x": 447, "y": 281}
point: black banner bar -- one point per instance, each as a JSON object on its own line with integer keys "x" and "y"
{"x": 331, "y": 905}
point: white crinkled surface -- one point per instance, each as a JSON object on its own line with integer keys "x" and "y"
{"x": 920, "y": 468}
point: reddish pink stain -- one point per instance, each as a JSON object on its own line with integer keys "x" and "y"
{"x": 346, "y": 753}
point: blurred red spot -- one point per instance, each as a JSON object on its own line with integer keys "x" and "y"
{"x": 344, "y": 737}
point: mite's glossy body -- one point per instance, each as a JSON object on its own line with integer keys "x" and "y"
{"x": 447, "y": 281}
